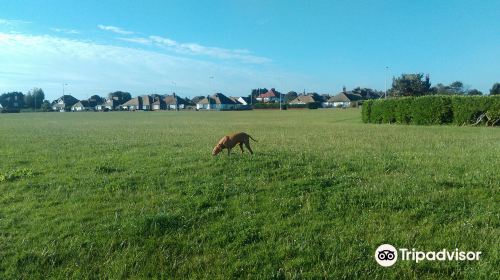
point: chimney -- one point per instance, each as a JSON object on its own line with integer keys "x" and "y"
{"x": 343, "y": 89}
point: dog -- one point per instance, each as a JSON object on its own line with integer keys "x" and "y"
{"x": 228, "y": 142}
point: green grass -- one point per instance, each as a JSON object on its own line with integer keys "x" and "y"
{"x": 138, "y": 195}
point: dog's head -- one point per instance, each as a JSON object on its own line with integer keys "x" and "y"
{"x": 216, "y": 150}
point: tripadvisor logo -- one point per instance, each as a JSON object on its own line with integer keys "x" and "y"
{"x": 386, "y": 255}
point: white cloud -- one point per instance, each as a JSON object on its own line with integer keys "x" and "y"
{"x": 64, "y": 30}
{"x": 12, "y": 22}
{"x": 189, "y": 48}
{"x": 196, "y": 49}
{"x": 115, "y": 29}
{"x": 138, "y": 40}
{"x": 90, "y": 68}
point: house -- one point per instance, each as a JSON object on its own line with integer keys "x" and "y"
{"x": 217, "y": 101}
{"x": 174, "y": 102}
{"x": 108, "y": 105}
{"x": 86, "y": 105}
{"x": 138, "y": 103}
{"x": 343, "y": 100}
{"x": 270, "y": 96}
{"x": 133, "y": 104}
{"x": 64, "y": 103}
{"x": 246, "y": 100}
{"x": 306, "y": 99}
{"x": 158, "y": 104}
{"x": 147, "y": 102}
{"x": 83, "y": 105}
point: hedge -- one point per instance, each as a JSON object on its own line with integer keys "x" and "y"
{"x": 269, "y": 106}
{"x": 435, "y": 109}
{"x": 312, "y": 105}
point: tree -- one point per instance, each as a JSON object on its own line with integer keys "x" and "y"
{"x": 440, "y": 89}
{"x": 291, "y": 95}
{"x": 411, "y": 85}
{"x": 189, "y": 102}
{"x": 258, "y": 91}
{"x": 197, "y": 99}
{"x": 457, "y": 88}
{"x": 120, "y": 96}
{"x": 45, "y": 106}
{"x": 367, "y": 93}
{"x": 28, "y": 100}
{"x": 495, "y": 89}
{"x": 12, "y": 100}
{"x": 37, "y": 97}
{"x": 96, "y": 99}
{"x": 474, "y": 92}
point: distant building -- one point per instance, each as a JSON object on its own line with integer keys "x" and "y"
{"x": 174, "y": 102}
{"x": 159, "y": 104}
{"x": 344, "y": 99}
{"x": 143, "y": 102}
{"x": 64, "y": 103}
{"x": 306, "y": 99}
{"x": 217, "y": 101}
{"x": 270, "y": 96}
{"x": 133, "y": 104}
{"x": 147, "y": 102}
{"x": 108, "y": 105}
{"x": 82, "y": 105}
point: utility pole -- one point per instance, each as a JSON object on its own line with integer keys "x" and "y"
{"x": 210, "y": 79}
{"x": 386, "y": 70}
{"x": 280, "y": 99}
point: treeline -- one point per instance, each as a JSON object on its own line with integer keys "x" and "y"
{"x": 34, "y": 99}
{"x": 439, "y": 109}
{"x": 418, "y": 85}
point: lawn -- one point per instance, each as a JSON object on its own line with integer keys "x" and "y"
{"x": 138, "y": 195}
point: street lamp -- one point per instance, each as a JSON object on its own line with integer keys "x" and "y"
{"x": 175, "y": 86}
{"x": 280, "y": 99}
{"x": 210, "y": 82}
{"x": 386, "y": 70}
{"x": 63, "y": 87}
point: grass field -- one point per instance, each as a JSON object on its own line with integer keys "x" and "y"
{"x": 138, "y": 195}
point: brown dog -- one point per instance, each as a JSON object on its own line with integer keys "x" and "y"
{"x": 228, "y": 142}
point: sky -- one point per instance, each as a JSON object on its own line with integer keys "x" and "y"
{"x": 201, "y": 47}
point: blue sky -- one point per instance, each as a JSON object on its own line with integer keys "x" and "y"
{"x": 199, "y": 47}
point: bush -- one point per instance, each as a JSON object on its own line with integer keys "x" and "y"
{"x": 466, "y": 110}
{"x": 313, "y": 105}
{"x": 297, "y": 106}
{"x": 431, "y": 110}
{"x": 10, "y": 110}
{"x": 269, "y": 106}
{"x": 366, "y": 110}
{"x": 403, "y": 110}
{"x": 427, "y": 110}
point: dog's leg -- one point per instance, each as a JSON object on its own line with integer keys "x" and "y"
{"x": 247, "y": 144}
{"x": 228, "y": 151}
{"x": 241, "y": 147}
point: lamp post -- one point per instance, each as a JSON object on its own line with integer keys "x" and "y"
{"x": 210, "y": 81}
{"x": 175, "y": 86}
{"x": 280, "y": 99}
{"x": 386, "y": 70}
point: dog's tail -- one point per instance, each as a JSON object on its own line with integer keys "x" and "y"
{"x": 252, "y": 138}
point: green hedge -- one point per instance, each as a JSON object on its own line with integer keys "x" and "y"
{"x": 436, "y": 109}
{"x": 297, "y": 106}
{"x": 269, "y": 106}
